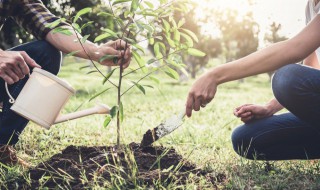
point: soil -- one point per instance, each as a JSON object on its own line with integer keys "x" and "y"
{"x": 82, "y": 167}
{"x": 149, "y": 137}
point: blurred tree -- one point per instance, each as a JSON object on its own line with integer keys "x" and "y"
{"x": 239, "y": 33}
{"x": 206, "y": 43}
{"x": 273, "y": 36}
{"x": 12, "y": 35}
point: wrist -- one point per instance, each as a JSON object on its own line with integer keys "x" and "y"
{"x": 216, "y": 75}
{"x": 93, "y": 51}
{"x": 271, "y": 109}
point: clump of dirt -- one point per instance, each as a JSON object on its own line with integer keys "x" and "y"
{"x": 82, "y": 167}
{"x": 149, "y": 137}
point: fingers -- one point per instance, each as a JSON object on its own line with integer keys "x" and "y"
{"x": 119, "y": 50}
{"x": 247, "y": 119}
{"x": 243, "y": 109}
{"x": 29, "y": 60}
{"x": 14, "y": 65}
{"x": 12, "y": 75}
{"x": 189, "y": 105}
{"x": 7, "y": 78}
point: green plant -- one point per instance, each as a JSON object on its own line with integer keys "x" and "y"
{"x": 140, "y": 21}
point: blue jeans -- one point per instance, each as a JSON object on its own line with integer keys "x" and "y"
{"x": 293, "y": 135}
{"x": 11, "y": 124}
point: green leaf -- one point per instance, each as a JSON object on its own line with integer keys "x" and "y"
{"x": 64, "y": 31}
{"x": 139, "y": 60}
{"x": 195, "y": 52}
{"x": 149, "y": 4}
{"x": 86, "y": 25}
{"x": 101, "y": 37}
{"x": 149, "y": 86}
{"x": 170, "y": 42}
{"x": 113, "y": 111}
{"x": 189, "y": 41}
{"x": 82, "y": 12}
{"x": 106, "y": 121}
{"x": 112, "y": 33}
{"x": 174, "y": 24}
{"x": 98, "y": 94}
{"x": 55, "y": 23}
{"x": 139, "y": 87}
{"x": 121, "y": 111}
{"x": 172, "y": 73}
{"x": 150, "y": 61}
{"x": 181, "y": 22}
{"x": 151, "y": 41}
{"x": 140, "y": 48}
{"x": 87, "y": 66}
{"x": 84, "y": 38}
{"x": 76, "y": 27}
{"x": 106, "y": 78}
{"x": 190, "y": 33}
{"x": 134, "y": 5}
{"x": 166, "y": 25}
{"x": 176, "y": 35}
{"x": 91, "y": 72}
{"x": 155, "y": 79}
{"x": 183, "y": 70}
{"x": 105, "y": 14}
{"x": 72, "y": 53}
{"x": 120, "y": 1}
{"x": 156, "y": 49}
{"x": 109, "y": 57}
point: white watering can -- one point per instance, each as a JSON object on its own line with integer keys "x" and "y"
{"x": 43, "y": 97}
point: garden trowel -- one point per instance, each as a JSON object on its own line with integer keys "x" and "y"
{"x": 163, "y": 129}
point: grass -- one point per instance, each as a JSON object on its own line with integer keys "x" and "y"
{"x": 204, "y": 138}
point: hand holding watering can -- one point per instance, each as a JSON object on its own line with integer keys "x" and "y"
{"x": 43, "y": 97}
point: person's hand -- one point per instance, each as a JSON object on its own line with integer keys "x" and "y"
{"x": 201, "y": 93}
{"x": 249, "y": 112}
{"x": 14, "y": 65}
{"x": 116, "y": 51}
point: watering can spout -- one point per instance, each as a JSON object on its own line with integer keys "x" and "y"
{"x": 98, "y": 109}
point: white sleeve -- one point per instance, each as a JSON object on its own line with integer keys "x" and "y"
{"x": 307, "y": 12}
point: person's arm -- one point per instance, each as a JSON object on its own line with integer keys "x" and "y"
{"x": 312, "y": 61}
{"x": 89, "y": 50}
{"x": 268, "y": 59}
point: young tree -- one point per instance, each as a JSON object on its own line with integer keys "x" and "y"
{"x": 137, "y": 23}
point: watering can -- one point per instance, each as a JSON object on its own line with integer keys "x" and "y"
{"x": 43, "y": 97}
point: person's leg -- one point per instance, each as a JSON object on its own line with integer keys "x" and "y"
{"x": 11, "y": 124}
{"x": 289, "y": 136}
{"x": 280, "y": 137}
{"x": 297, "y": 88}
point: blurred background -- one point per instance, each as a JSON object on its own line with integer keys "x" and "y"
{"x": 227, "y": 29}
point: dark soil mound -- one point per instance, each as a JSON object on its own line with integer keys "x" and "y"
{"x": 82, "y": 167}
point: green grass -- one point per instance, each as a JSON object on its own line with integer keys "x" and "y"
{"x": 204, "y": 138}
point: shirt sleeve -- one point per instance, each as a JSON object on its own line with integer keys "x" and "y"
{"x": 34, "y": 17}
{"x": 307, "y": 13}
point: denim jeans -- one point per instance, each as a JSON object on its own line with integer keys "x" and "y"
{"x": 11, "y": 124}
{"x": 292, "y": 135}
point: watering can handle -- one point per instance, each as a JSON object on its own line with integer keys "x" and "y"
{"x": 11, "y": 99}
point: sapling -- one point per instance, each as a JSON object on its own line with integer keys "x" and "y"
{"x": 137, "y": 22}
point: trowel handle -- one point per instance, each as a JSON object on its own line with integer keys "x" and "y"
{"x": 98, "y": 109}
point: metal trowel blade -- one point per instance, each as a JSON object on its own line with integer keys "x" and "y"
{"x": 163, "y": 129}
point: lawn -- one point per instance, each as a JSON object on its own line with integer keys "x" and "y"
{"x": 203, "y": 139}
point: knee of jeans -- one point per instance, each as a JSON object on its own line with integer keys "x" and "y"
{"x": 52, "y": 57}
{"x": 285, "y": 83}
{"x": 242, "y": 142}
